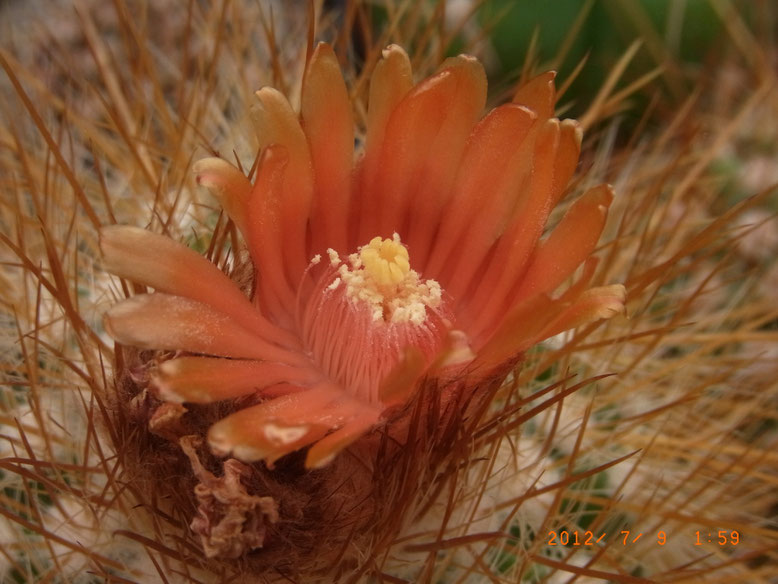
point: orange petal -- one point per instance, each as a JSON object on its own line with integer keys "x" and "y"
{"x": 556, "y": 158}
{"x": 168, "y": 266}
{"x": 329, "y": 127}
{"x": 204, "y": 380}
{"x": 424, "y": 140}
{"x": 594, "y": 304}
{"x": 568, "y": 152}
{"x": 519, "y": 330}
{"x": 267, "y": 237}
{"x": 402, "y": 380}
{"x": 279, "y": 426}
{"x": 571, "y": 242}
{"x": 495, "y": 165}
{"x": 326, "y": 449}
{"x": 435, "y": 184}
{"x": 512, "y": 252}
{"x": 540, "y": 317}
{"x": 226, "y": 183}
{"x": 538, "y": 94}
{"x": 277, "y": 123}
{"x": 162, "y": 321}
{"x": 456, "y": 353}
{"x": 391, "y": 81}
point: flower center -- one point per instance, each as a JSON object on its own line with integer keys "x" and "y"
{"x": 385, "y": 260}
{"x": 366, "y": 310}
{"x": 380, "y": 277}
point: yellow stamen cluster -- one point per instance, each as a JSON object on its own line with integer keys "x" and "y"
{"x": 386, "y": 261}
{"x": 380, "y": 276}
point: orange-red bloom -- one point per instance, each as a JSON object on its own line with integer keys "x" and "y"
{"x": 422, "y": 259}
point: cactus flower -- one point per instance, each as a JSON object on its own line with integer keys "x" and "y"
{"x": 416, "y": 255}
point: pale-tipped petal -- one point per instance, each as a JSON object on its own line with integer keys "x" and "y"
{"x": 168, "y": 266}
{"x": 206, "y": 379}
{"x": 436, "y": 116}
{"x": 592, "y": 305}
{"x": 226, "y": 183}
{"x": 455, "y": 354}
{"x": 162, "y": 321}
{"x": 326, "y": 449}
{"x": 391, "y": 81}
{"x": 282, "y": 425}
{"x": 538, "y": 94}
{"x": 267, "y": 233}
{"x": 518, "y": 331}
{"x": 510, "y": 256}
{"x": 277, "y": 123}
{"x": 496, "y": 164}
{"x": 329, "y": 127}
{"x": 434, "y": 185}
{"x": 571, "y": 242}
{"x": 568, "y": 151}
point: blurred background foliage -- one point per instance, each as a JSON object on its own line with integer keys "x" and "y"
{"x": 677, "y": 41}
{"x": 600, "y": 31}
{"x": 681, "y": 39}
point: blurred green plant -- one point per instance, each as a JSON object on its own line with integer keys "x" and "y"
{"x": 560, "y": 34}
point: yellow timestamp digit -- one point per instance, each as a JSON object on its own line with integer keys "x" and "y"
{"x": 661, "y": 538}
